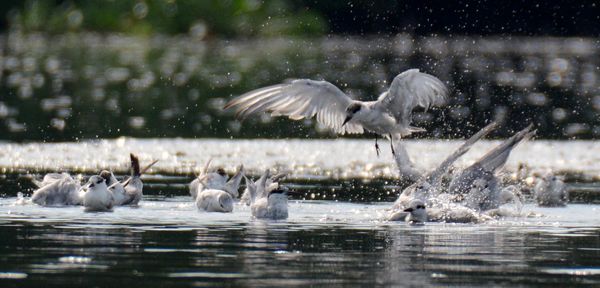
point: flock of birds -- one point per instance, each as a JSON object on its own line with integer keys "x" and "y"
{"x": 211, "y": 191}
{"x": 473, "y": 194}
{"x": 100, "y": 193}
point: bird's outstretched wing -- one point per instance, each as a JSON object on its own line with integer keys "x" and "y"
{"x": 299, "y": 99}
{"x": 410, "y": 89}
{"x": 434, "y": 177}
{"x": 497, "y": 157}
{"x": 489, "y": 163}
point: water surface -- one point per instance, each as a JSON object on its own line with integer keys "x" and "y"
{"x": 87, "y": 85}
{"x": 334, "y": 236}
{"x": 300, "y": 158}
{"x": 166, "y": 241}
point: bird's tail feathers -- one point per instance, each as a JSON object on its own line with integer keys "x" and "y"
{"x": 125, "y": 183}
{"x": 135, "y": 165}
{"x": 247, "y": 180}
{"x": 147, "y": 167}
{"x": 405, "y": 165}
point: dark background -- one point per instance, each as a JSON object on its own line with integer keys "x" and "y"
{"x": 528, "y": 18}
{"x": 484, "y": 17}
{"x": 73, "y": 70}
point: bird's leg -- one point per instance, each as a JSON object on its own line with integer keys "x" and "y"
{"x": 392, "y": 145}
{"x": 376, "y": 146}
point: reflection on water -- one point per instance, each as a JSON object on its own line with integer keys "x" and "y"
{"x": 166, "y": 242}
{"x": 86, "y": 85}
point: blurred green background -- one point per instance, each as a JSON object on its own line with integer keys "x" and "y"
{"x": 72, "y": 70}
{"x": 207, "y": 18}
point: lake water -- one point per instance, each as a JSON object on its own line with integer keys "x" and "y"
{"x": 339, "y": 241}
{"x": 76, "y": 86}
{"x": 167, "y": 242}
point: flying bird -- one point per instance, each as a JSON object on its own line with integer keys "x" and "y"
{"x": 389, "y": 115}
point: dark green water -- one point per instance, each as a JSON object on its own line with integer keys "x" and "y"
{"x": 87, "y": 85}
{"x": 237, "y": 251}
{"x": 166, "y": 242}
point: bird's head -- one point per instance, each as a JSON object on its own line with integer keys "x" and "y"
{"x": 279, "y": 194}
{"x": 95, "y": 181}
{"x": 106, "y": 175}
{"x": 225, "y": 202}
{"x": 281, "y": 190}
{"x": 550, "y": 177}
{"x": 417, "y": 211}
{"x": 221, "y": 172}
{"x": 479, "y": 185}
{"x": 351, "y": 110}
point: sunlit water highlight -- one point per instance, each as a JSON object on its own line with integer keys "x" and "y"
{"x": 167, "y": 242}
{"x": 302, "y": 159}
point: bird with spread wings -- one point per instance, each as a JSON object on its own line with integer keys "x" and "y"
{"x": 389, "y": 116}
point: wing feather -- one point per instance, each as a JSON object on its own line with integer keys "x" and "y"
{"x": 410, "y": 89}
{"x": 299, "y": 99}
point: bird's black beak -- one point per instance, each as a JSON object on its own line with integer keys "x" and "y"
{"x": 408, "y": 210}
{"x": 348, "y": 118}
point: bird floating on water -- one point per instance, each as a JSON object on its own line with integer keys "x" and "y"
{"x": 550, "y": 191}
{"x": 250, "y": 193}
{"x": 97, "y": 198}
{"x": 476, "y": 187}
{"x": 416, "y": 212}
{"x": 269, "y": 204}
{"x": 216, "y": 180}
{"x": 213, "y": 192}
{"x": 130, "y": 191}
{"x": 214, "y": 200}
{"x": 58, "y": 189}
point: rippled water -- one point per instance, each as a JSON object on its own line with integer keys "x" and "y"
{"x": 334, "y": 235}
{"x": 167, "y": 242}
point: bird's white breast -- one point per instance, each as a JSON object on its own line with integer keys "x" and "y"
{"x": 97, "y": 199}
